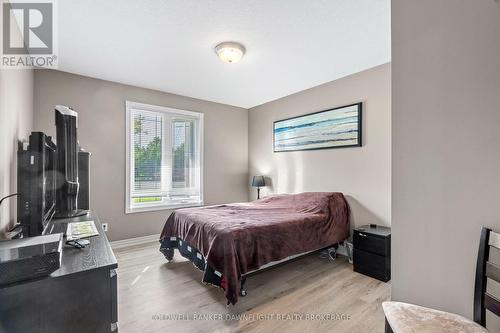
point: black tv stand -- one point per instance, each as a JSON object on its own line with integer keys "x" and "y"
{"x": 79, "y": 297}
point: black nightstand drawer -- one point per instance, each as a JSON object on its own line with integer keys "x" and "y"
{"x": 374, "y": 265}
{"x": 370, "y": 243}
{"x": 372, "y": 251}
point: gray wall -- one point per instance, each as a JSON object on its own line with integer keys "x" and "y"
{"x": 445, "y": 138}
{"x": 16, "y": 121}
{"x": 101, "y": 108}
{"x": 362, "y": 174}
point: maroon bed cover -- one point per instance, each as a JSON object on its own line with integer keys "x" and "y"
{"x": 241, "y": 237}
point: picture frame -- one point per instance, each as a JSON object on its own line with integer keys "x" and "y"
{"x": 339, "y": 127}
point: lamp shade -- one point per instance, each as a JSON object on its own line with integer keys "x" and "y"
{"x": 258, "y": 181}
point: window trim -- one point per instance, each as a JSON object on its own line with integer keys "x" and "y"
{"x": 129, "y": 105}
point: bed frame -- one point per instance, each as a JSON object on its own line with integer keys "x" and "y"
{"x": 329, "y": 252}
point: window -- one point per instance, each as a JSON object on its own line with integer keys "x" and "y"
{"x": 164, "y": 158}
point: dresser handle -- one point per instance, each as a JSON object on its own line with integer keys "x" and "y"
{"x": 362, "y": 235}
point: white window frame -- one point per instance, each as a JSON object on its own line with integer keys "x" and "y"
{"x": 129, "y": 106}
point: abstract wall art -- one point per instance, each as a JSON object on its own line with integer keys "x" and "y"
{"x": 333, "y": 128}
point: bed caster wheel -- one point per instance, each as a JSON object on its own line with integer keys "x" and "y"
{"x": 243, "y": 293}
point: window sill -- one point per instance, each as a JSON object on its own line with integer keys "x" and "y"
{"x": 130, "y": 210}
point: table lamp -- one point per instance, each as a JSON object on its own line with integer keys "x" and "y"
{"x": 258, "y": 181}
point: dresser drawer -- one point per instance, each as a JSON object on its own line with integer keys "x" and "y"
{"x": 371, "y": 243}
{"x": 374, "y": 265}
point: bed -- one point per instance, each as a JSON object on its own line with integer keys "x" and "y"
{"x": 228, "y": 242}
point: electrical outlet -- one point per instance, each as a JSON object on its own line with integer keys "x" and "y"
{"x": 105, "y": 227}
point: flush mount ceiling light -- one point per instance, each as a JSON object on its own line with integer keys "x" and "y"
{"x": 230, "y": 52}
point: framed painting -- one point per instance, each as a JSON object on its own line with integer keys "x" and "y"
{"x": 333, "y": 128}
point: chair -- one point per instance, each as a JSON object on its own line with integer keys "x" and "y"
{"x": 406, "y": 318}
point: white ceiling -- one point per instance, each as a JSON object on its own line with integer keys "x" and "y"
{"x": 168, "y": 45}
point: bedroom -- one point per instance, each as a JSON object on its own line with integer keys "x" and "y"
{"x": 410, "y": 89}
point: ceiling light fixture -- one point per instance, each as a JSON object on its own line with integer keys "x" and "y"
{"x": 230, "y": 52}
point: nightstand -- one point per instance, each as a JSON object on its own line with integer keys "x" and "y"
{"x": 372, "y": 252}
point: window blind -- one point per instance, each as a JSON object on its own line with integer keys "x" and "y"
{"x": 147, "y": 151}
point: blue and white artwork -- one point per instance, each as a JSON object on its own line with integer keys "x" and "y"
{"x": 339, "y": 127}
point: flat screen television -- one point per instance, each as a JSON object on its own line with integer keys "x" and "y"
{"x": 36, "y": 183}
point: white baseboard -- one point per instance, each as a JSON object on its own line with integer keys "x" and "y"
{"x": 155, "y": 238}
{"x": 134, "y": 241}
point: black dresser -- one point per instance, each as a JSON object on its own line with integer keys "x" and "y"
{"x": 372, "y": 252}
{"x": 81, "y": 296}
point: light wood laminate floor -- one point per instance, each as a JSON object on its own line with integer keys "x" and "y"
{"x": 309, "y": 294}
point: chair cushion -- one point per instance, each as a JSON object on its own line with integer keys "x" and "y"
{"x": 409, "y": 318}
